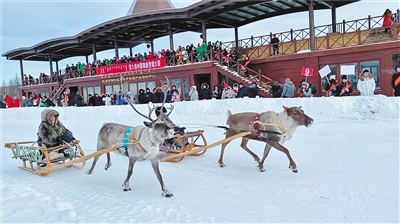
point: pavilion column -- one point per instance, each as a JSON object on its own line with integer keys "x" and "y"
{"x": 204, "y": 30}
{"x": 152, "y": 46}
{"x": 21, "y": 67}
{"x": 333, "y": 13}
{"x": 116, "y": 46}
{"x": 94, "y": 53}
{"x": 236, "y": 37}
{"x": 311, "y": 24}
{"x": 130, "y": 52}
{"x": 51, "y": 64}
{"x": 87, "y": 59}
{"x": 57, "y": 67}
{"x": 171, "y": 36}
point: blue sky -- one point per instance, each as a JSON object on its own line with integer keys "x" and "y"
{"x": 26, "y": 23}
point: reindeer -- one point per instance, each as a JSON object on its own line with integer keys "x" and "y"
{"x": 137, "y": 143}
{"x": 286, "y": 122}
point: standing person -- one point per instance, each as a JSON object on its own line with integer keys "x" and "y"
{"x": 366, "y": 84}
{"x": 275, "y": 44}
{"x": 387, "y": 20}
{"x": 193, "y": 94}
{"x": 346, "y": 87}
{"x": 205, "y": 92}
{"x": 288, "y": 89}
{"x": 396, "y": 81}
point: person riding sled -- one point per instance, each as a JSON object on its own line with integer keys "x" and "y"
{"x": 53, "y": 133}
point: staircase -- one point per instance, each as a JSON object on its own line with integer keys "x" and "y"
{"x": 264, "y": 89}
{"x": 57, "y": 91}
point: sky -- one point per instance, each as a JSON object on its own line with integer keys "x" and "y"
{"x": 26, "y": 23}
{"x": 347, "y": 160}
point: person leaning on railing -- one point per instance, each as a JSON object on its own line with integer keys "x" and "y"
{"x": 396, "y": 81}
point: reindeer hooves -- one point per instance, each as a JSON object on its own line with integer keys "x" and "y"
{"x": 293, "y": 168}
{"x": 167, "y": 194}
{"x": 106, "y": 167}
{"x": 88, "y": 172}
{"x": 261, "y": 170}
{"x": 221, "y": 165}
{"x": 127, "y": 189}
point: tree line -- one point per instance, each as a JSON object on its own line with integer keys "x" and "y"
{"x": 11, "y": 87}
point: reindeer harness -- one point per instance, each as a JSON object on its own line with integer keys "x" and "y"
{"x": 126, "y": 141}
{"x": 256, "y": 126}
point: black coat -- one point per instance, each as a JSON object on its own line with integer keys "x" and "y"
{"x": 205, "y": 94}
{"x": 396, "y": 88}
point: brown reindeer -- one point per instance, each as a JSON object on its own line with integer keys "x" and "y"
{"x": 285, "y": 122}
{"x": 137, "y": 143}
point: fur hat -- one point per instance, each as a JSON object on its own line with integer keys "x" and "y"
{"x": 343, "y": 77}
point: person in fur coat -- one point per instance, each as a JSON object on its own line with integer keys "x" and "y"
{"x": 193, "y": 94}
{"x": 51, "y": 131}
{"x": 366, "y": 84}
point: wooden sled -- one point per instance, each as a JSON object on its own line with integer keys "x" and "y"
{"x": 194, "y": 140}
{"x": 196, "y": 150}
{"x": 39, "y": 158}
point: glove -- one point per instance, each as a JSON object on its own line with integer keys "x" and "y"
{"x": 59, "y": 141}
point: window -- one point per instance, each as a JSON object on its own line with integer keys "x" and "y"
{"x": 134, "y": 91}
{"x": 97, "y": 90}
{"x": 373, "y": 68}
{"x": 177, "y": 83}
{"x": 109, "y": 89}
{"x": 186, "y": 88}
{"x": 142, "y": 85}
{"x": 353, "y": 78}
{"x": 116, "y": 88}
{"x": 151, "y": 85}
{"x": 85, "y": 94}
{"x": 331, "y": 75}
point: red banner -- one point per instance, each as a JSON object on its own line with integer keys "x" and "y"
{"x": 132, "y": 66}
{"x": 307, "y": 71}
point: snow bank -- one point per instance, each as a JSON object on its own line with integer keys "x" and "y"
{"x": 209, "y": 111}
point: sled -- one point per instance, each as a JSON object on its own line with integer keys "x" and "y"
{"x": 185, "y": 143}
{"x": 193, "y": 149}
{"x": 40, "y": 158}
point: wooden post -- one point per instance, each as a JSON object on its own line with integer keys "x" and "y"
{"x": 259, "y": 78}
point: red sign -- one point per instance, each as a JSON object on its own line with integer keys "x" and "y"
{"x": 132, "y": 66}
{"x": 307, "y": 71}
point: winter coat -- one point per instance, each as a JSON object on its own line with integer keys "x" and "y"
{"x": 228, "y": 93}
{"x": 142, "y": 97}
{"x": 253, "y": 91}
{"x": 176, "y": 97}
{"x": 216, "y": 93}
{"x": 242, "y": 92}
{"x": 9, "y": 101}
{"x": 107, "y": 100}
{"x": 49, "y": 134}
{"x": 366, "y": 86}
{"x": 121, "y": 99}
{"x": 387, "y": 20}
{"x": 345, "y": 88}
{"x": 396, "y": 87}
{"x": 288, "y": 90}
{"x": 193, "y": 94}
{"x": 307, "y": 92}
{"x": 78, "y": 99}
{"x": 17, "y": 102}
{"x": 205, "y": 92}
{"x": 276, "y": 90}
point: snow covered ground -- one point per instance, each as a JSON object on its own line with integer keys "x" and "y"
{"x": 348, "y": 163}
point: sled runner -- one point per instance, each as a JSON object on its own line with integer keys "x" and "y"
{"x": 43, "y": 160}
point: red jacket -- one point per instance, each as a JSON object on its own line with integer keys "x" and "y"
{"x": 17, "y": 102}
{"x": 9, "y": 101}
{"x": 387, "y": 20}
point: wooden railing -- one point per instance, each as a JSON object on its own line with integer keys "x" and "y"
{"x": 302, "y": 34}
{"x": 329, "y": 41}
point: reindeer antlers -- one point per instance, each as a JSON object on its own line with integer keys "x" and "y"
{"x": 151, "y": 110}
